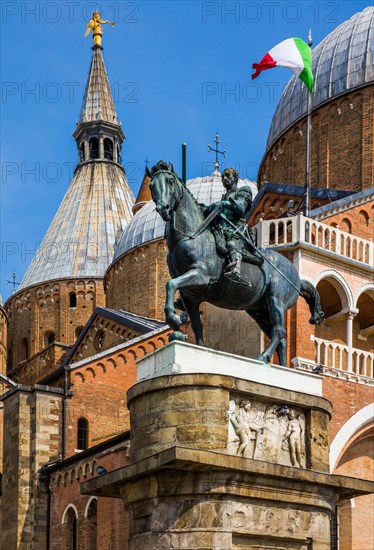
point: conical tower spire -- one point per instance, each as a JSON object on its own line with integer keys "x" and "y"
{"x": 98, "y": 102}
{"x": 98, "y": 203}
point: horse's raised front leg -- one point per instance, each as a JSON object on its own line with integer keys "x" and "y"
{"x": 194, "y": 277}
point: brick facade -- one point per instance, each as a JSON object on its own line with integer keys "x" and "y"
{"x": 106, "y": 527}
{"x": 99, "y": 389}
{"x": 358, "y": 220}
{"x": 136, "y": 281}
{"x": 49, "y": 311}
{"x": 342, "y": 147}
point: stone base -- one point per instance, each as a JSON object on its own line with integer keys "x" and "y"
{"x": 200, "y": 500}
{"x": 224, "y": 459}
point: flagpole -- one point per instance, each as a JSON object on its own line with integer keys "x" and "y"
{"x": 307, "y": 186}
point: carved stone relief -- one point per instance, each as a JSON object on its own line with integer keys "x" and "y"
{"x": 266, "y": 431}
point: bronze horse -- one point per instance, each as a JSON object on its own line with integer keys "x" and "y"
{"x": 198, "y": 271}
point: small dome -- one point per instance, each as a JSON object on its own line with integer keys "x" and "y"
{"x": 342, "y": 62}
{"x": 147, "y": 225}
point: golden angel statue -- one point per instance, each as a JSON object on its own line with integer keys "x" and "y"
{"x": 95, "y": 24}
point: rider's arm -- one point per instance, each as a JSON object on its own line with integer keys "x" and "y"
{"x": 239, "y": 205}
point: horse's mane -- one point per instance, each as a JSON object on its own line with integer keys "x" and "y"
{"x": 163, "y": 165}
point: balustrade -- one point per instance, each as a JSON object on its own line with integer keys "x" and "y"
{"x": 298, "y": 229}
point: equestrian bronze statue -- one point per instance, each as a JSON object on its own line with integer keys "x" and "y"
{"x": 265, "y": 284}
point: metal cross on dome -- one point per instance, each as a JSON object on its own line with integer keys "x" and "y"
{"x": 13, "y": 282}
{"x": 217, "y": 152}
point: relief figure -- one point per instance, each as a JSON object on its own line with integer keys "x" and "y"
{"x": 246, "y": 429}
{"x": 294, "y": 435}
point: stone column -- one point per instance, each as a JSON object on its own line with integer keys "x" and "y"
{"x": 351, "y": 314}
{"x": 31, "y": 439}
{"x": 115, "y": 150}
{"x": 86, "y": 149}
{"x": 101, "y": 147}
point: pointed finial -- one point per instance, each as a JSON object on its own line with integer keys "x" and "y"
{"x": 97, "y": 32}
{"x": 146, "y": 162}
{"x": 217, "y": 152}
{"x": 310, "y": 39}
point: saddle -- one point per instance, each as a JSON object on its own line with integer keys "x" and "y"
{"x": 249, "y": 255}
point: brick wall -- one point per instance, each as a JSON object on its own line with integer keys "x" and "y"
{"x": 40, "y": 365}
{"x": 99, "y": 392}
{"x": 273, "y": 205}
{"x": 355, "y": 515}
{"x": 358, "y": 220}
{"x": 136, "y": 281}
{"x": 39, "y": 310}
{"x": 103, "y": 334}
{"x": 347, "y": 399}
{"x": 342, "y": 151}
{"x": 106, "y": 530}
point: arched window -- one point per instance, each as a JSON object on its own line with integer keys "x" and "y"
{"x": 91, "y": 524}
{"x": 69, "y": 522}
{"x": 94, "y": 148}
{"x": 346, "y": 225}
{"x": 72, "y": 299}
{"x": 78, "y": 330}
{"x": 108, "y": 149}
{"x": 82, "y": 434}
{"x": 81, "y": 153}
{"x": 25, "y": 349}
{"x": 49, "y": 338}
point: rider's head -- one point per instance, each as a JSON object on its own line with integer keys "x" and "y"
{"x": 230, "y": 178}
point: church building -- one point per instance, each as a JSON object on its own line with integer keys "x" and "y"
{"x": 90, "y": 306}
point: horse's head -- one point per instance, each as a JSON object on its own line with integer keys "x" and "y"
{"x": 164, "y": 188}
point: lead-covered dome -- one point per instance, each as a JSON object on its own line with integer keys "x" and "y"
{"x": 342, "y": 62}
{"x": 147, "y": 225}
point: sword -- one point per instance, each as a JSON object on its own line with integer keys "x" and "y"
{"x": 260, "y": 253}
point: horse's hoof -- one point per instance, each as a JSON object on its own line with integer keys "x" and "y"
{"x": 173, "y": 320}
{"x": 263, "y": 358}
{"x": 177, "y": 336}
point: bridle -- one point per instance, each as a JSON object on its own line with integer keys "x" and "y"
{"x": 175, "y": 200}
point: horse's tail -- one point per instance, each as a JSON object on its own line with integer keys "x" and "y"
{"x": 311, "y": 296}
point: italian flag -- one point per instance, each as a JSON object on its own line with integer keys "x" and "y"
{"x": 293, "y": 53}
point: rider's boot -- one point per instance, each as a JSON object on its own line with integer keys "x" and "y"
{"x": 232, "y": 271}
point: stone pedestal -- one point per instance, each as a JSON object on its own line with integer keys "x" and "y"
{"x": 227, "y": 453}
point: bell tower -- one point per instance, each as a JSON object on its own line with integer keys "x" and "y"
{"x": 99, "y": 135}
{"x": 64, "y": 282}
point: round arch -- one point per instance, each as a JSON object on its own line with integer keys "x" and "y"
{"x": 69, "y": 507}
{"x": 369, "y": 287}
{"x": 348, "y": 430}
{"x": 342, "y": 288}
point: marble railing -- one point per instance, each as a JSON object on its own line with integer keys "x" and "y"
{"x": 298, "y": 229}
{"x": 334, "y": 355}
{"x": 334, "y": 358}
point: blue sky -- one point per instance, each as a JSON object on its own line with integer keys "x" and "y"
{"x": 180, "y": 71}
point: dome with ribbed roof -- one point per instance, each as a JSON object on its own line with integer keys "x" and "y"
{"x": 147, "y": 225}
{"x": 342, "y": 62}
